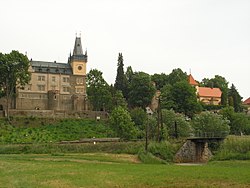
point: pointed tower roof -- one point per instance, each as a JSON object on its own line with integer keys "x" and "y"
{"x": 77, "y": 52}
{"x": 78, "y": 47}
{"x": 192, "y": 81}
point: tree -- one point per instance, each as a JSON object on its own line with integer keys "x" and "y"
{"x": 234, "y": 99}
{"x": 176, "y": 124}
{"x": 239, "y": 122}
{"x": 185, "y": 99}
{"x": 219, "y": 82}
{"x": 210, "y": 124}
{"x": 117, "y": 99}
{"x": 177, "y": 75}
{"x": 141, "y": 89}
{"x": 121, "y": 81}
{"x": 122, "y": 123}
{"x": 98, "y": 90}
{"x": 160, "y": 80}
{"x": 14, "y": 73}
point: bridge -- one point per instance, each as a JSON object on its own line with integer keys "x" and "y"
{"x": 195, "y": 149}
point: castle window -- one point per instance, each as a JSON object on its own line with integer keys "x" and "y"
{"x": 65, "y": 89}
{"x": 53, "y": 87}
{"x": 66, "y": 79}
{"x": 53, "y": 78}
{"x": 41, "y": 87}
{"x": 41, "y": 78}
{"x": 79, "y": 80}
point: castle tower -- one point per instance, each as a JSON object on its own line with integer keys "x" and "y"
{"x": 78, "y": 60}
{"x": 78, "y": 63}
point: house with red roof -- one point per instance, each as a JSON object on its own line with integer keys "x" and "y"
{"x": 206, "y": 95}
{"x": 246, "y": 103}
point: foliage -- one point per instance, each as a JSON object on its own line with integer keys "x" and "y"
{"x": 121, "y": 81}
{"x": 234, "y": 148}
{"x": 163, "y": 150}
{"x": 234, "y": 99}
{"x": 239, "y": 122}
{"x": 122, "y": 124}
{"x": 184, "y": 99}
{"x": 167, "y": 101}
{"x": 149, "y": 158}
{"x": 176, "y": 124}
{"x": 68, "y": 129}
{"x": 141, "y": 90}
{"x": 177, "y": 75}
{"x": 117, "y": 99}
{"x": 160, "y": 80}
{"x": 14, "y": 74}
{"x": 139, "y": 117}
{"x": 98, "y": 91}
{"x": 210, "y": 123}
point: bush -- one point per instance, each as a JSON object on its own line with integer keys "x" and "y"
{"x": 149, "y": 158}
{"x": 234, "y": 148}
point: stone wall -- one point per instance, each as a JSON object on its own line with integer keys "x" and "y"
{"x": 192, "y": 152}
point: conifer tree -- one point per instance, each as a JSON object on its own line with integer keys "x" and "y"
{"x": 234, "y": 99}
{"x": 121, "y": 81}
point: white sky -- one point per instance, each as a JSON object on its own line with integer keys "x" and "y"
{"x": 155, "y": 36}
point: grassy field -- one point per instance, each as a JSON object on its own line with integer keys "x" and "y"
{"x": 115, "y": 170}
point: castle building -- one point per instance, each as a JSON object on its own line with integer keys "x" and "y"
{"x": 56, "y": 86}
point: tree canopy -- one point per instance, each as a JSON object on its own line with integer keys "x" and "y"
{"x": 14, "y": 73}
{"x": 98, "y": 90}
{"x": 141, "y": 90}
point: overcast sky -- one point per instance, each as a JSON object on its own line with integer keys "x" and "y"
{"x": 210, "y": 37}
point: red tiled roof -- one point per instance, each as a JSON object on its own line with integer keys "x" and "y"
{"x": 247, "y": 102}
{"x": 209, "y": 92}
{"x": 192, "y": 81}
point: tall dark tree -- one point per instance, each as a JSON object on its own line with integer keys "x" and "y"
{"x": 98, "y": 91}
{"x": 121, "y": 81}
{"x": 14, "y": 73}
{"x": 234, "y": 99}
{"x": 141, "y": 89}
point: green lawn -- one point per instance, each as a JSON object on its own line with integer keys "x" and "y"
{"x": 115, "y": 170}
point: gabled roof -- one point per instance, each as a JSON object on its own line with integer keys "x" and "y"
{"x": 247, "y": 102}
{"x": 192, "y": 81}
{"x": 209, "y": 92}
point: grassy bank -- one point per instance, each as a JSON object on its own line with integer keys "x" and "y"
{"x": 112, "y": 170}
{"x": 234, "y": 148}
{"x": 45, "y": 130}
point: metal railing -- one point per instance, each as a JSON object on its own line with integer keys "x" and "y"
{"x": 201, "y": 134}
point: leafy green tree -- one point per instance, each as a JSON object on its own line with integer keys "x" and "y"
{"x": 98, "y": 91}
{"x": 141, "y": 89}
{"x": 177, "y": 75}
{"x": 235, "y": 99}
{"x": 239, "y": 122}
{"x": 139, "y": 117}
{"x": 185, "y": 99}
{"x": 121, "y": 81}
{"x": 14, "y": 73}
{"x": 167, "y": 101}
{"x": 176, "y": 124}
{"x": 122, "y": 124}
{"x": 210, "y": 124}
{"x": 160, "y": 80}
{"x": 218, "y": 82}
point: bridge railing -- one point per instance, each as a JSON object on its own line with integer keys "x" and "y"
{"x": 201, "y": 134}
